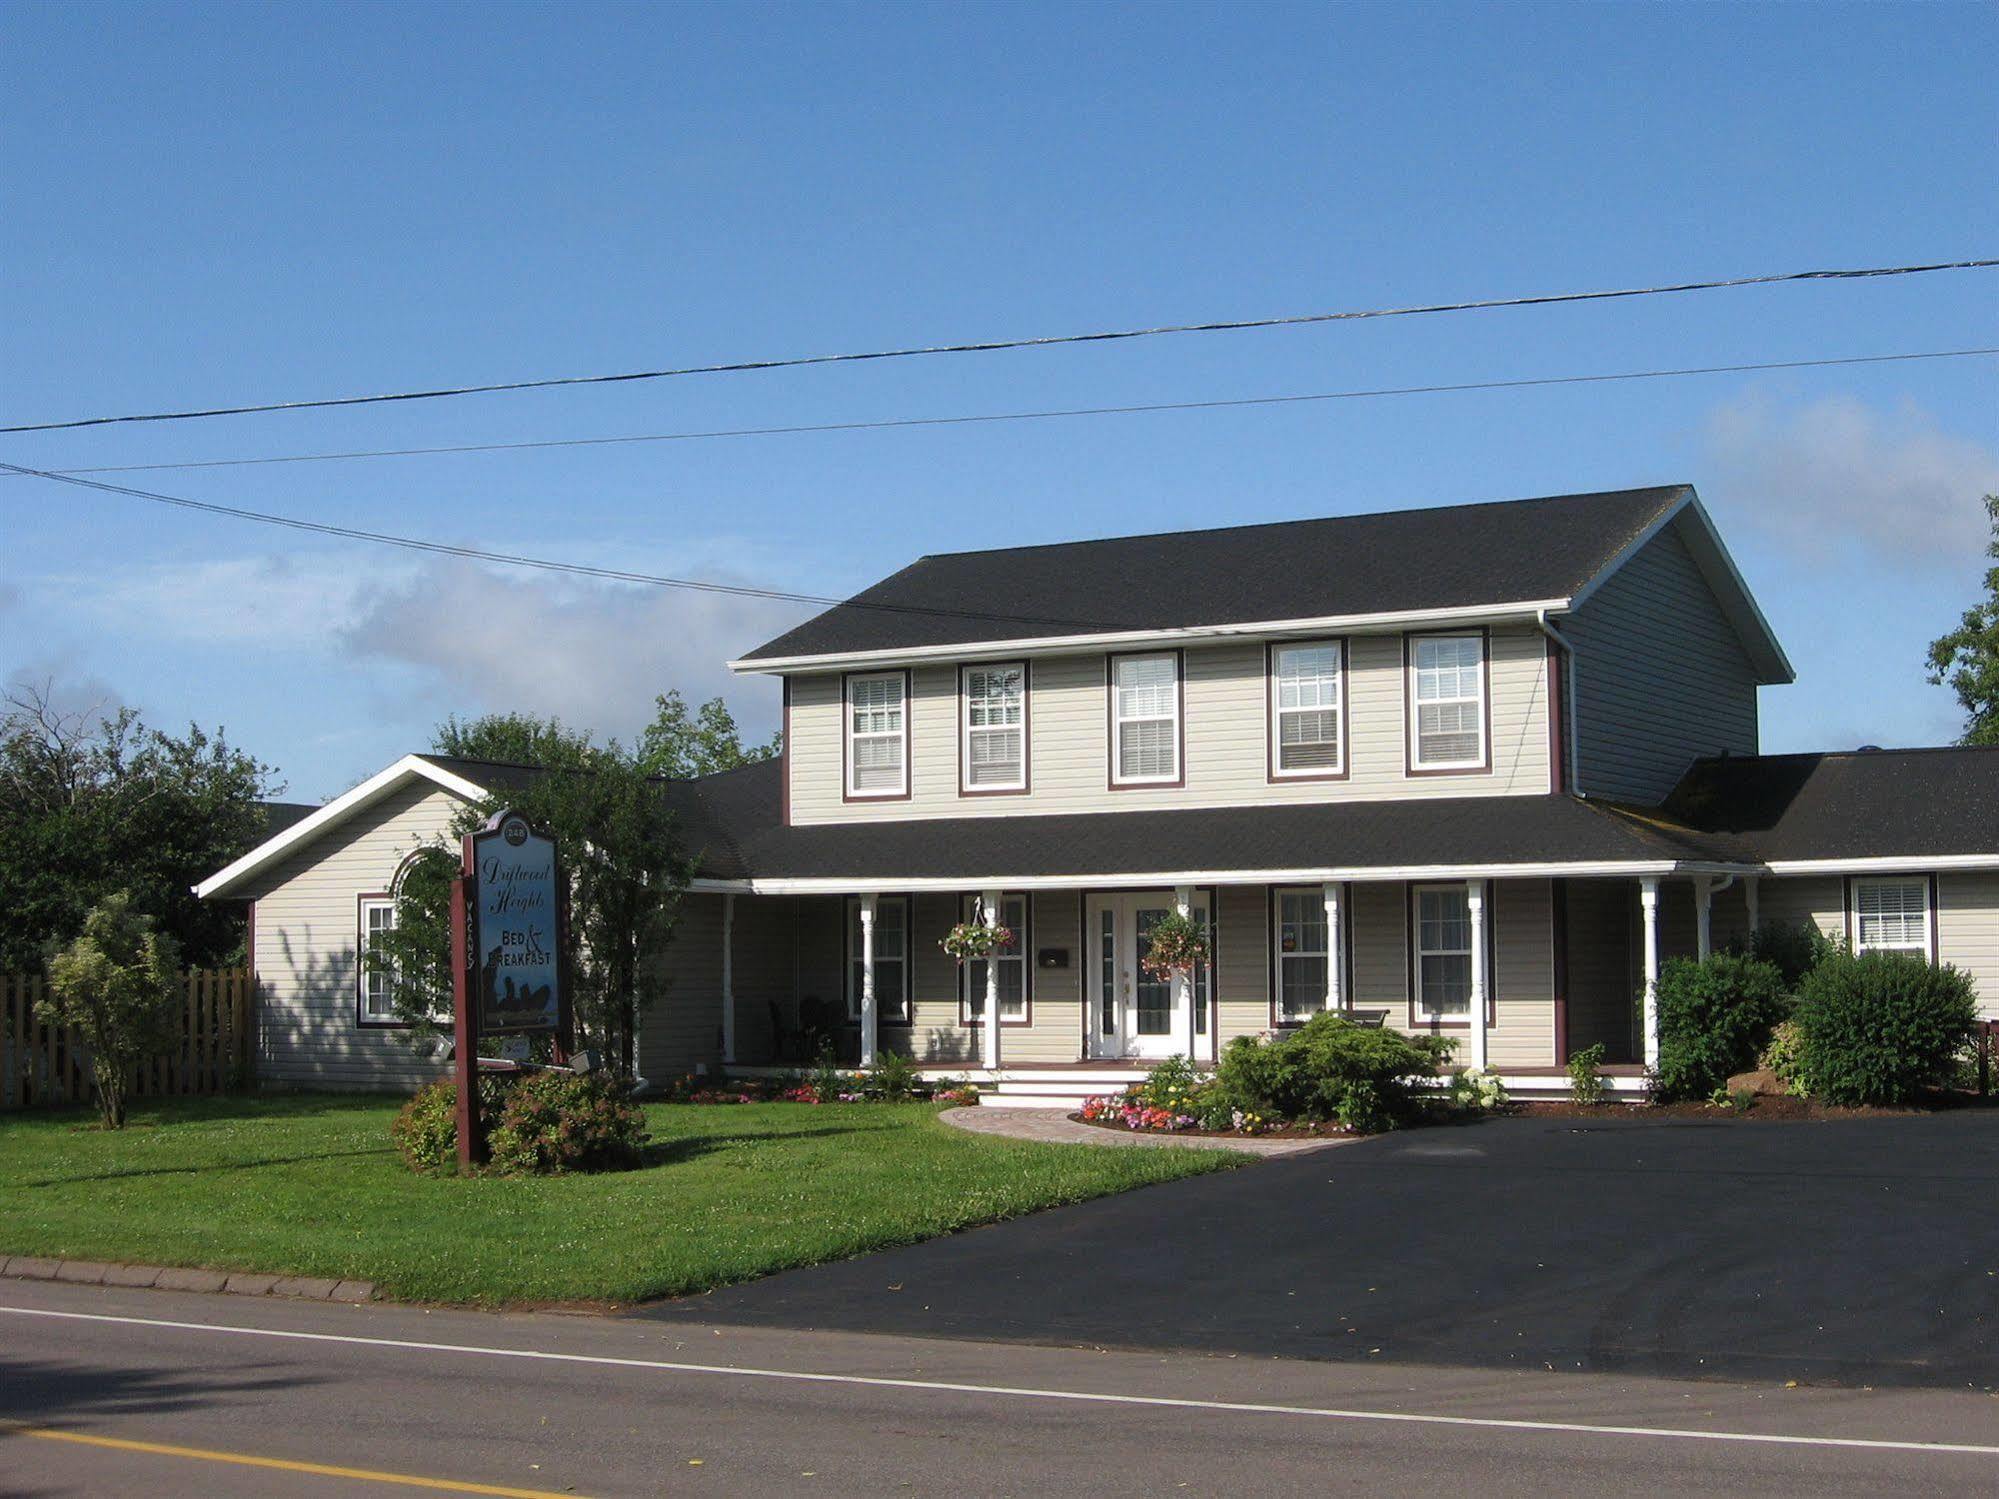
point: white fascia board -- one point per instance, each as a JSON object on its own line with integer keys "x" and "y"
{"x": 1607, "y": 869}
{"x": 1893, "y": 864}
{"x": 1525, "y": 611}
{"x": 306, "y": 828}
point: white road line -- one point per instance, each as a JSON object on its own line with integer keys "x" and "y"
{"x": 1015, "y": 1392}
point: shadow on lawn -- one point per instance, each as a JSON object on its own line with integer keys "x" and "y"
{"x": 682, "y": 1148}
{"x": 205, "y": 1168}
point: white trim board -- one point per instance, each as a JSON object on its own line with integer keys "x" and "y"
{"x": 1522, "y": 612}
{"x": 305, "y": 829}
{"x": 1890, "y": 864}
{"x": 1148, "y": 879}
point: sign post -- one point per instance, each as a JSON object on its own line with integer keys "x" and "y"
{"x": 508, "y": 931}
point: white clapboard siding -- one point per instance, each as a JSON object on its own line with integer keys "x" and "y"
{"x": 307, "y": 934}
{"x": 1660, "y": 676}
{"x": 1226, "y": 737}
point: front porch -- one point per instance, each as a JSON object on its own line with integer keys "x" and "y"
{"x": 1521, "y": 971}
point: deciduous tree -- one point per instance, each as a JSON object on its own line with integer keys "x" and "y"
{"x": 114, "y": 986}
{"x": 1967, "y": 659}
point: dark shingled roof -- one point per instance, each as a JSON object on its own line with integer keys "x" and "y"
{"x": 734, "y": 819}
{"x": 280, "y": 815}
{"x": 1458, "y": 556}
{"x": 1865, "y": 804}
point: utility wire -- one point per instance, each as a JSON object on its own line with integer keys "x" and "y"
{"x": 995, "y": 345}
{"x": 1029, "y": 416}
{"x": 544, "y": 564}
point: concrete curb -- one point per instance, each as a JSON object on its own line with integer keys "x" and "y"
{"x": 174, "y": 1278}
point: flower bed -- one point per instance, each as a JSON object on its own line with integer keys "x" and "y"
{"x": 821, "y": 1086}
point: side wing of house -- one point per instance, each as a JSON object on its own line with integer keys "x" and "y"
{"x": 309, "y": 918}
{"x": 1662, "y": 675}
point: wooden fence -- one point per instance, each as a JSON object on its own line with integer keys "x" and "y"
{"x": 44, "y": 1065}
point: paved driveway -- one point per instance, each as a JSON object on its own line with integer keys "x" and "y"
{"x": 1858, "y": 1252}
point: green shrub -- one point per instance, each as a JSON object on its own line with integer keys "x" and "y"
{"x": 551, "y": 1122}
{"x": 892, "y": 1079}
{"x": 1476, "y": 1091}
{"x": 1796, "y": 948}
{"x": 1329, "y": 1068}
{"x": 1585, "y": 1083}
{"x": 1715, "y": 1014}
{"x": 535, "y": 1123}
{"x": 1173, "y": 1084}
{"x": 1783, "y": 1059}
{"x": 1882, "y": 1028}
{"x": 425, "y": 1132}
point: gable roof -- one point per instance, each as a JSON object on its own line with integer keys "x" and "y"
{"x": 437, "y": 768}
{"x": 1461, "y": 563}
{"x": 1872, "y": 809}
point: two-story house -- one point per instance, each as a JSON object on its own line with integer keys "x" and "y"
{"x": 1471, "y": 770}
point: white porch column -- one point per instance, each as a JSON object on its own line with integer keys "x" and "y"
{"x": 1475, "y": 902}
{"x": 989, "y": 906}
{"x": 1330, "y": 894}
{"x": 870, "y": 1024}
{"x": 1749, "y": 902}
{"x": 728, "y": 978}
{"x": 1183, "y": 983}
{"x": 1648, "y": 899}
{"x": 1703, "y": 915}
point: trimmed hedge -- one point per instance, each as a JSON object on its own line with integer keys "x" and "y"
{"x": 1715, "y": 1015}
{"x": 1881, "y": 1027}
{"x": 1330, "y": 1068}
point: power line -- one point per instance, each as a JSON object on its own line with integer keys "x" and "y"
{"x": 1030, "y": 416}
{"x": 544, "y": 564}
{"x": 996, "y": 345}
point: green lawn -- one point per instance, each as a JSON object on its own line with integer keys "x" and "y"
{"x": 309, "y": 1185}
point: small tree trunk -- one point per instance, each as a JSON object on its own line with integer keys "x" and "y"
{"x": 110, "y": 1082}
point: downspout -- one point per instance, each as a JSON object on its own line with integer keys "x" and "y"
{"x": 1568, "y": 701}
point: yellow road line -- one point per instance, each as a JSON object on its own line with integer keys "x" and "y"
{"x": 245, "y": 1460}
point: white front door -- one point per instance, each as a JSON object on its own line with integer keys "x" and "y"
{"x": 1133, "y": 1014}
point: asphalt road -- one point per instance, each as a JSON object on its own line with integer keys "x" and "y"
{"x": 1860, "y": 1252}
{"x": 111, "y": 1392}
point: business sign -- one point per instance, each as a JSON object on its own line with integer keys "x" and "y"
{"x": 516, "y": 937}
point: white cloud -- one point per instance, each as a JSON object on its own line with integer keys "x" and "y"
{"x": 594, "y": 654}
{"x": 1838, "y": 474}
{"x": 295, "y": 600}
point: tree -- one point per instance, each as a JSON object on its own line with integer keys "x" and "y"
{"x": 680, "y": 746}
{"x": 94, "y": 802}
{"x": 614, "y": 828}
{"x": 114, "y": 986}
{"x": 1967, "y": 659}
{"x": 513, "y": 739}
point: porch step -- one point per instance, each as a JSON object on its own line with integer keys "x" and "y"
{"x": 1065, "y": 1089}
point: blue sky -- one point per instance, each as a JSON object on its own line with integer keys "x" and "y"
{"x": 211, "y": 205}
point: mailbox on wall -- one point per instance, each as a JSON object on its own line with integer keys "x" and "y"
{"x": 1052, "y": 957}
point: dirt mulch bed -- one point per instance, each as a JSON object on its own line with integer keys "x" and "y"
{"x": 1768, "y": 1106}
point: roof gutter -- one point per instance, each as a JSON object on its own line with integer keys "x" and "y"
{"x": 1521, "y": 611}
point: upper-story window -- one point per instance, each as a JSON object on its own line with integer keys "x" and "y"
{"x": 1447, "y": 702}
{"x": 878, "y": 734}
{"x": 1307, "y": 709}
{"x": 1145, "y": 719}
{"x": 993, "y": 733}
{"x": 1892, "y": 916}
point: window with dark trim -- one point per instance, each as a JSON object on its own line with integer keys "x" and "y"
{"x": 1145, "y": 719}
{"x": 1012, "y": 960}
{"x": 1304, "y": 954}
{"x": 1447, "y": 702}
{"x": 1442, "y": 952}
{"x": 891, "y": 957}
{"x": 1307, "y": 709}
{"x": 993, "y": 726}
{"x": 1892, "y": 915}
{"x": 877, "y": 732}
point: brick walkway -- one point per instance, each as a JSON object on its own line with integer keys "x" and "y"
{"x": 1053, "y": 1126}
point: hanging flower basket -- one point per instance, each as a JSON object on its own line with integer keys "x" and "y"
{"x": 1179, "y": 946}
{"x": 969, "y": 940}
